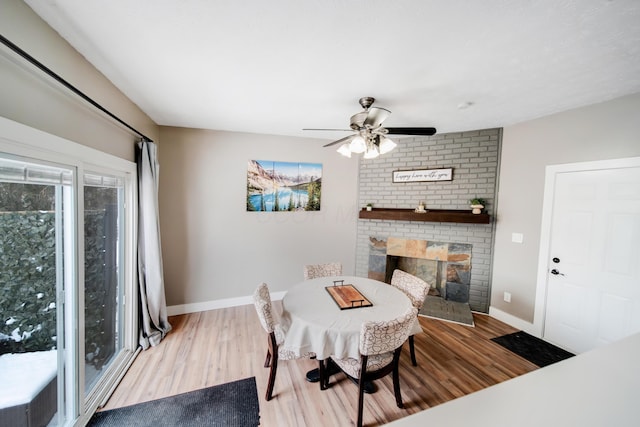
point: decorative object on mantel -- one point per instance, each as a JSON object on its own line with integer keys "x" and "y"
{"x": 369, "y": 207}
{"x": 477, "y": 205}
{"x": 430, "y": 215}
{"x": 423, "y": 175}
{"x": 421, "y": 208}
{"x": 370, "y": 137}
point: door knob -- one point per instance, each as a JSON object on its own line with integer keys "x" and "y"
{"x": 556, "y": 272}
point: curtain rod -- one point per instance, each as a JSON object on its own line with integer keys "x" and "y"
{"x": 68, "y": 85}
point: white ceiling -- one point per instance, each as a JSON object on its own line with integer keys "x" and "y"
{"x": 278, "y": 66}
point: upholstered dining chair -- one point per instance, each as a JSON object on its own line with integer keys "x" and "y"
{"x": 264, "y": 308}
{"x": 312, "y": 271}
{"x": 416, "y": 289}
{"x": 380, "y": 346}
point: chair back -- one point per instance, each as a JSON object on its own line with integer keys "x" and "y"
{"x": 322, "y": 270}
{"x": 377, "y": 337}
{"x": 262, "y": 302}
{"x": 414, "y": 287}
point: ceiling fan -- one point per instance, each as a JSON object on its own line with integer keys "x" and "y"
{"x": 369, "y": 136}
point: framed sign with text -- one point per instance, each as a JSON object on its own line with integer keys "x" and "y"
{"x": 422, "y": 175}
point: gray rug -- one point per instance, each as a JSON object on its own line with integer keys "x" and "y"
{"x": 436, "y": 307}
{"x": 230, "y": 404}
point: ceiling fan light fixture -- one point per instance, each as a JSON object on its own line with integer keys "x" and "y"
{"x": 386, "y": 145}
{"x": 358, "y": 145}
{"x": 345, "y": 150}
{"x": 372, "y": 152}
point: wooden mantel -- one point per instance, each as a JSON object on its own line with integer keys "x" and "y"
{"x": 431, "y": 215}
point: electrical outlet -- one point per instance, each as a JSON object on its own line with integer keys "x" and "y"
{"x": 507, "y": 296}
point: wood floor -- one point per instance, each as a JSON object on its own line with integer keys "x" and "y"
{"x": 218, "y": 346}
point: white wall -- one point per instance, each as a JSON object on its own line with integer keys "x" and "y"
{"x": 212, "y": 248}
{"x": 36, "y": 100}
{"x": 607, "y": 130}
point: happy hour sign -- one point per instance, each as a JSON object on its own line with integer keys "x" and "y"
{"x": 423, "y": 175}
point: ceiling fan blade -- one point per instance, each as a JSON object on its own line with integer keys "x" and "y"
{"x": 411, "y": 131}
{"x": 375, "y": 116}
{"x": 357, "y": 120}
{"x": 345, "y": 139}
{"x": 341, "y": 130}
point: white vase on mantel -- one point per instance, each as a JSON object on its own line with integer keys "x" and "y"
{"x": 477, "y": 209}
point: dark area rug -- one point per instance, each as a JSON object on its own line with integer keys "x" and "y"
{"x": 231, "y": 404}
{"x": 535, "y": 350}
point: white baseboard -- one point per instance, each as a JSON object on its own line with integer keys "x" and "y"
{"x": 174, "y": 310}
{"x": 514, "y": 321}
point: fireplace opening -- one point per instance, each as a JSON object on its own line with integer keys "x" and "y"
{"x": 446, "y": 266}
{"x": 428, "y": 270}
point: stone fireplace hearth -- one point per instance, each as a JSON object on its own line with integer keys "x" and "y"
{"x": 444, "y": 265}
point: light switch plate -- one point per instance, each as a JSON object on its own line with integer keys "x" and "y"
{"x": 507, "y": 296}
{"x": 517, "y": 237}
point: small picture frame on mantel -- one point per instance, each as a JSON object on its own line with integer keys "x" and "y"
{"x": 423, "y": 175}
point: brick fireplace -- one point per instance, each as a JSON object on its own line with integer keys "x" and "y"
{"x": 474, "y": 158}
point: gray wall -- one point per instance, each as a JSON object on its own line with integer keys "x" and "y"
{"x": 474, "y": 157}
{"x": 42, "y": 103}
{"x": 602, "y": 131}
{"x": 213, "y": 248}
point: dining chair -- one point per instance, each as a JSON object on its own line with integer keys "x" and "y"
{"x": 264, "y": 308}
{"x": 380, "y": 346}
{"x": 416, "y": 289}
{"x": 312, "y": 271}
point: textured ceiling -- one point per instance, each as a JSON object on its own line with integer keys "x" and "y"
{"x": 278, "y": 66}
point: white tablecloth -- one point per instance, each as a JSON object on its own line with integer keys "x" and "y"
{"x": 314, "y": 322}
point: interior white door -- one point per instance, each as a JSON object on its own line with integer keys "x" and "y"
{"x": 593, "y": 285}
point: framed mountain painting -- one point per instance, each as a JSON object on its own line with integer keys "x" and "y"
{"x": 283, "y": 186}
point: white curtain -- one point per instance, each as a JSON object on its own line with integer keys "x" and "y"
{"x": 154, "y": 324}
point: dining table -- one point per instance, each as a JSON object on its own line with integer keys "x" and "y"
{"x": 315, "y": 322}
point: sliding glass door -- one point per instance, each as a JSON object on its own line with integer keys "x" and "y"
{"x": 103, "y": 274}
{"x": 67, "y": 277}
{"x": 35, "y": 259}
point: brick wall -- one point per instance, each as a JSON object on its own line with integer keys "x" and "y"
{"x": 474, "y": 157}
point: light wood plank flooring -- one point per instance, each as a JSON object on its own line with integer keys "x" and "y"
{"x": 218, "y": 346}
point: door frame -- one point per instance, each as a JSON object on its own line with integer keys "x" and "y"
{"x": 551, "y": 172}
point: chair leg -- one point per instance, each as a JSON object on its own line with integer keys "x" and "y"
{"x": 396, "y": 386}
{"x": 412, "y": 350}
{"x": 267, "y": 360}
{"x": 360, "y": 400}
{"x": 272, "y": 377}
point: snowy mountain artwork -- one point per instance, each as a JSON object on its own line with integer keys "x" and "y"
{"x": 283, "y": 186}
